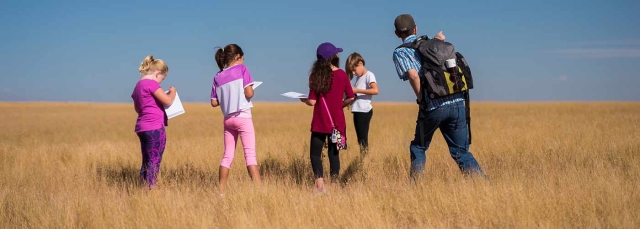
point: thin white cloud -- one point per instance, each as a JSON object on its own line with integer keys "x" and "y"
{"x": 602, "y": 52}
{"x": 563, "y": 78}
{"x": 631, "y": 42}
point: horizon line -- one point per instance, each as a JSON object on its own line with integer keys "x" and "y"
{"x": 293, "y": 102}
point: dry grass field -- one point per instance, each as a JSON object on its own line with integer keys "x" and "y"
{"x": 551, "y": 165}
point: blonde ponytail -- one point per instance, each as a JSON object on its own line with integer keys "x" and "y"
{"x": 150, "y": 64}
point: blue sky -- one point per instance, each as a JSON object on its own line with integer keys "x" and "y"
{"x": 538, "y": 51}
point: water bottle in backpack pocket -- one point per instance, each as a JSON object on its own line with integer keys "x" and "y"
{"x": 445, "y": 71}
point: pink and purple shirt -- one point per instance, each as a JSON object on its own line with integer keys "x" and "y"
{"x": 228, "y": 88}
{"x": 151, "y": 114}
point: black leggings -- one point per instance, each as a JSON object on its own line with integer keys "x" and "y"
{"x": 361, "y": 121}
{"x": 316, "y": 145}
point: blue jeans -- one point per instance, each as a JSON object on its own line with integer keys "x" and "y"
{"x": 451, "y": 119}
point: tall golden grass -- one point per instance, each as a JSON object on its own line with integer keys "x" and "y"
{"x": 551, "y": 165}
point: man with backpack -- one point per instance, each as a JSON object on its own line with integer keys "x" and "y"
{"x": 441, "y": 94}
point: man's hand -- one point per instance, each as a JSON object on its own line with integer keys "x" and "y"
{"x": 440, "y": 36}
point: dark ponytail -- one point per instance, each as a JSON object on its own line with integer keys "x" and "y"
{"x": 224, "y": 56}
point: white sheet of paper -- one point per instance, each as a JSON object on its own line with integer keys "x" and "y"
{"x": 175, "y": 109}
{"x": 294, "y": 95}
{"x": 256, "y": 84}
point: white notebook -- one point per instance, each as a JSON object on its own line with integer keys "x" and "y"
{"x": 256, "y": 84}
{"x": 294, "y": 95}
{"x": 176, "y": 107}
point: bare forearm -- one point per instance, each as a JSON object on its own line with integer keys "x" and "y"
{"x": 370, "y": 91}
{"x": 346, "y": 102}
{"x": 165, "y": 99}
{"x": 308, "y": 102}
{"x": 248, "y": 92}
{"x": 415, "y": 84}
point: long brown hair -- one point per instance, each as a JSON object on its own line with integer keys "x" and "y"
{"x": 224, "y": 56}
{"x": 321, "y": 77}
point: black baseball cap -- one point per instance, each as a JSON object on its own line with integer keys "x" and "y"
{"x": 404, "y": 22}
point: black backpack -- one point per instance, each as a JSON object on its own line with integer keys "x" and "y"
{"x": 436, "y": 82}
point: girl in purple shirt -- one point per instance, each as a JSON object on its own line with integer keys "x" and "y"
{"x": 149, "y": 100}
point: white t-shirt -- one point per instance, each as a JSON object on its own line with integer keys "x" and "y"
{"x": 363, "y": 102}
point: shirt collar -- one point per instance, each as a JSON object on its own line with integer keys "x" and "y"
{"x": 409, "y": 39}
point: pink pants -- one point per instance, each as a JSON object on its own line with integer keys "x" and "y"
{"x": 244, "y": 127}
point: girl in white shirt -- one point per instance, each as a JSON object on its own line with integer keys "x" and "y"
{"x": 364, "y": 88}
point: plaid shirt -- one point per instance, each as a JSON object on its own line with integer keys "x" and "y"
{"x": 406, "y": 59}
